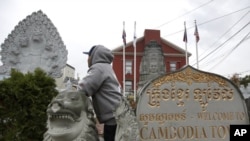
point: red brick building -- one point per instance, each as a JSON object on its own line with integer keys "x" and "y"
{"x": 174, "y": 57}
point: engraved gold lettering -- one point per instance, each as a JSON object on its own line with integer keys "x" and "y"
{"x": 184, "y": 132}
{"x": 141, "y": 117}
{"x": 196, "y": 132}
{"x": 151, "y": 117}
{"x": 183, "y": 116}
{"x": 162, "y": 117}
{"x": 160, "y": 133}
{"x": 205, "y": 95}
{"x": 190, "y": 132}
{"x": 230, "y": 94}
{"x": 240, "y": 115}
{"x": 173, "y": 94}
{"x": 143, "y": 132}
{"x": 203, "y": 133}
{"x": 213, "y": 131}
{"x": 154, "y": 97}
{"x": 223, "y": 94}
{"x": 197, "y": 95}
{"x": 215, "y": 115}
{"x": 170, "y": 116}
{"x": 187, "y": 91}
{"x": 216, "y": 94}
{"x": 172, "y": 132}
{"x": 209, "y": 94}
{"x": 181, "y": 132}
{"x": 180, "y": 93}
{"x": 221, "y": 132}
{"x": 152, "y": 134}
{"x": 165, "y": 94}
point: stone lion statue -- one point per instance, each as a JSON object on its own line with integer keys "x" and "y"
{"x": 70, "y": 118}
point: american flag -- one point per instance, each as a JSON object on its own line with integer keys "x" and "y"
{"x": 196, "y": 33}
{"x": 124, "y": 34}
{"x": 185, "y": 33}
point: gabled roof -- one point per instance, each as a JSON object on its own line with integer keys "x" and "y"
{"x": 119, "y": 48}
{"x": 175, "y": 46}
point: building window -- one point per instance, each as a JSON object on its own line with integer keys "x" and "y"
{"x": 172, "y": 66}
{"x": 128, "y": 67}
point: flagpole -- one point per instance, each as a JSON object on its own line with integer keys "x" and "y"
{"x": 185, "y": 40}
{"x": 197, "y": 60}
{"x": 196, "y": 43}
{"x": 187, "y": 63}
{"x": 123, "y": 36}
{"x": 135, "y": 62}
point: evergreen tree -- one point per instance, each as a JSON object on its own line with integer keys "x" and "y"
{"x": 23, "y": 102}
{"x": 245, "y": 80}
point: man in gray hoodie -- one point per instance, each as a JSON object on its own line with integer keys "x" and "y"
{"x": 102, "y": 85}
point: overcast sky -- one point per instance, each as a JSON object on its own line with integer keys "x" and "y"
{"x": 222, "y": 24}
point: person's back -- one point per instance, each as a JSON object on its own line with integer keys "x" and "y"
{"x": 101, "y": 84}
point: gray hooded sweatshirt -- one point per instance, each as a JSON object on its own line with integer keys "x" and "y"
{"x": 101, "y": 84}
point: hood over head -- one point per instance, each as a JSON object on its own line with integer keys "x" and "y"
{"x": 100, "y": 54}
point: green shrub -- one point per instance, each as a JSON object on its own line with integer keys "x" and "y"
{"x": 23, "y": 102}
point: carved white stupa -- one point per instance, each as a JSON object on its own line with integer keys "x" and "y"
{"x": 34, "y": 42}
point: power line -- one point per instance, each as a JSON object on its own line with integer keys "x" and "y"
{"x": 185, "y": 14}
{"x": 208, "y": 21}
{"x": 225, "y": 15}
{"x": 225, "y": 42}
{"x": 247, "y": 38}
{"x": 223, "y": 35}
{"x": 241, "y": 41}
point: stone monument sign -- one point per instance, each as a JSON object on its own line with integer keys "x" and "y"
{"x": 189, "y": 105}
{"x": 34, "y": 43}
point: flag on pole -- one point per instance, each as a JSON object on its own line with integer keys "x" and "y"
{"x": 124, "y": 34}
{"x": 123, "y": 54}
{"x": 185, "y": 33}
{"x": 134, "y": 42}
{"x": 185, "y": 40}
{"x": 197, "y": 38}
{"x": 196, "y": 33}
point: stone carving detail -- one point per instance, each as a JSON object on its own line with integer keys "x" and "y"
{"x": 71, "y": 118}
{"x": 152, "y": 64}
{"x": 127, "y": 124}
{"x": 189, "y": 76}
{"x": 34, "y": 43}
